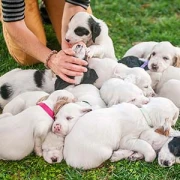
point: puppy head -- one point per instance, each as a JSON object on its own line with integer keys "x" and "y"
{"x": 162, "y": 56}
{"x": 163, "y": 113}
{"x": 67, "y": 117}
{"x": 82, "y": 27}
{"x": 53, "y": 148}
{"x": 80, "y": 50}
{"x": 142, "y": 79}
{"x": 169, "y": 152}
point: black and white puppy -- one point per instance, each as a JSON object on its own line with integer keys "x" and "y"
{"x": 170, "y": 152}
{"x": 84, "y": 27}
{"x": 18, "y": 81}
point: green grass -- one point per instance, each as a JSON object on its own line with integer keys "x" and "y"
{"x": 128, "y": 21}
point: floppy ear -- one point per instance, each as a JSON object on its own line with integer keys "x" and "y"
{"x": 42, "y": 99}
{"x": 61, "y": 102}
{"x": 176, "y": 59}
{"x": 95, "y": 28}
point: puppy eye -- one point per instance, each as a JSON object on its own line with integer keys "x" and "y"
{"x": 133, "y": 100}
{"x": 165, "y": 58}
{"x": 146, "y": 87}
{"x": 81, "y": 31}
{"x": 153, "y": 54}
{"x": 69, "y": 118}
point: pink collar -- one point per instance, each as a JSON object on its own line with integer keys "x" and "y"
{"x": 47, "y": 109}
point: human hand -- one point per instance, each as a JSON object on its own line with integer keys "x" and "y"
{"x": 64, "y": 64}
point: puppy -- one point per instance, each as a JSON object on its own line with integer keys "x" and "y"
{"x": 141, "y": 50}
{"x": 91, "y": 139}
{"x": 88, "y": 77}
{"x": 106, "y": 69}
{"x": 170, "y": 90}
{"x": 52, "y": 148}
{"x": 170, "y": 152}
{"x": 18, "y": 81}
{"x": 84, "y": 27}
{"x": 24, "y": 101}
{"x": 115, "y": 91}
{"x": 163, "y": 55}
{"x": 159, "y": 78}
{"x": 22, "y": 133}
{"x": 67, "y": 116}
{"x": 87, "y": 93}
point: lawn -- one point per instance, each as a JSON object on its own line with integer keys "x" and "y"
{"x": 128, "y": 21}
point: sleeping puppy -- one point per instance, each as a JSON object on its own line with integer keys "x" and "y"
{"x": 21, "y": 133}
{"x": 163, "y": 55}
{"x": 106, "y": 69}
{"x": 115, "y": 91}
{"x": 24, "y": 101}
{"x": 52, "y": 148}
{"x": 84, "y": 27}
{"x": 18, "y": 81}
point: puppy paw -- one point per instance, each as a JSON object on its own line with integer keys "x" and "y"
{"x": 89, "y": 53}
{"x": 120, "y": 154}
{"x": 135, "y": 156}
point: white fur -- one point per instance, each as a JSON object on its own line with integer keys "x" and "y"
{"x": 102, "y": 46}
{"x": 23, "y": 101}
{"x": 163, "y": 55}
{"x": 159, "y": 78}
{"x": 141, "y": 50}
{"x": 22, "y": 133}
{"x": 171, "y": 90}
{"x": 88, "y": 93}
{"x": 52, "y": 148}
{"x": 90, "y": 140}
{"x": 115, "y": 91}
{"x": 20, "y": 81}
{"x": 106, "y": 69}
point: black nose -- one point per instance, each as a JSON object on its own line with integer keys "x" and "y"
{"x": 154, "y": 66}
{"x": 78, "y": 46}
{"x": 166, "y": 163}
{"x": 54, "y": 159}
{"x": 68, "y": 40}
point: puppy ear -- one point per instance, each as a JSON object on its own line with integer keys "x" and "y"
{"x": 95, "y": 28}
{"x": 176, "y": 61}
{"x": 42, "y": 99}
{"x": 60, "y": 103}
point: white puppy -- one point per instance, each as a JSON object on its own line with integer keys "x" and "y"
{"x": 24, "y": 101}
{"x": 170, "y": 90}
{"x": 97, "y": 134}
{"x": 141, "y": 50}
{"x": 159, "y": 78}
{"x": 115, "y": 91}
{"x": 18, "y": 81}
{"x": 87, "y": 93}
{"x": 84, "y": 27}
{"x": 163, "y": 55}
{"x": 22, "y": 133}
{"x": 106, "y": 69}
{"x": 52, "y": 148}
{"x": 92, "y": 138}
{"x": 68, "y": 116}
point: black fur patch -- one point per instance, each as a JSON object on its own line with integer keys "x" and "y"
{"x": 61, "y": 84}
{"x": 6, "y": 91}
{"x": 95, "y": 28}
{"x": 81, "y": 31}
{"x": 174, "y": 146}
{"x": 39, "y": 78}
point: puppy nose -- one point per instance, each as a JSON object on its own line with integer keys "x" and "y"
{"x": 154, "y": 66}
{"x": 54, "y": 159}
{"x": 68, "y": 40}
{"x": 166, "y": 163}
{"x": 57, "y": 128}
{"x": 78, "y": 46}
